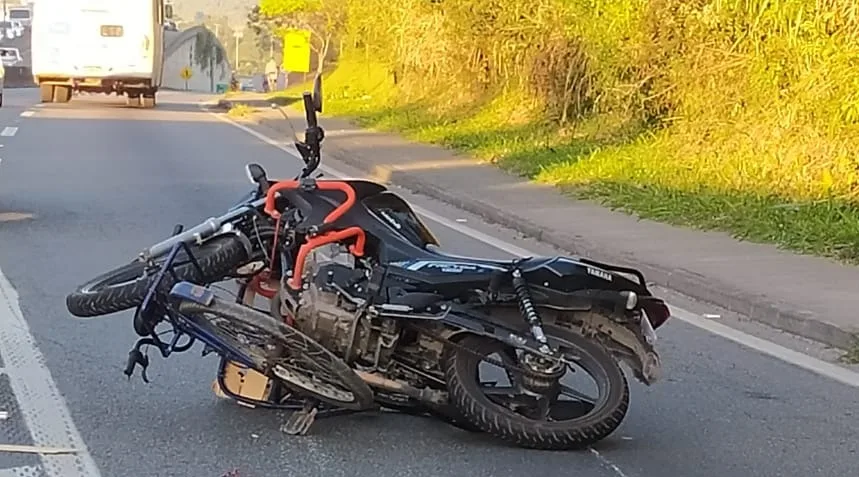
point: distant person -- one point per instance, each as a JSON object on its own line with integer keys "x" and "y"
{"x": 285, "y": 74}
{"x": 271, "y": 74}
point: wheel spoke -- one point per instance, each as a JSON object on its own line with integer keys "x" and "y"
{"x": 580, "y": 396}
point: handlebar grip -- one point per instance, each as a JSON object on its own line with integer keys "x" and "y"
{"x": 205, "y": 229}
{"x": 309, "y": 110}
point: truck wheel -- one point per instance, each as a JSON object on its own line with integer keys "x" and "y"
{"x": 147, "y": 101}
{"x": 46, "y": 93}
{"x": 132, "y": 100}
{"x": 62, "y": 94}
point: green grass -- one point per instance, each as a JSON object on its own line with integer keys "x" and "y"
{"x": 852, "y": 354}
{"x": 624, "y": 165}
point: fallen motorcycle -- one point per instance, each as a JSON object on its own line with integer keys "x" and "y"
{"x": 365, "y": 309}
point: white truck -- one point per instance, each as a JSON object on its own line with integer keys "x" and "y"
{"x": 99, "y": 46}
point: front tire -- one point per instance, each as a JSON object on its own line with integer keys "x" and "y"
{"x": 461, "y": 374}
{"x": 126, "y": 286}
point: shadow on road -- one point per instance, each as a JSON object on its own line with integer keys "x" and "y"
{"x": 259, "y": 101}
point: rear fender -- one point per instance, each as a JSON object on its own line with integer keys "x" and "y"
{"x": 627, "y": 341}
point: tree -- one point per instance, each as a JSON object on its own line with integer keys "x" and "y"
{"x": 265, "y": 30}
{"x": 323, "y": 18}
{"x": 208, "y": 54}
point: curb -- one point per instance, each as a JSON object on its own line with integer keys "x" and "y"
{"x": 725, "y": 295}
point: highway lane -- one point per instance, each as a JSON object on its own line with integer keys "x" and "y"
{"x": 85, "y": 185}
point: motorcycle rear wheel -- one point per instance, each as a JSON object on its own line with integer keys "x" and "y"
{"x": 609, "y": 410}
{"x": 125, "y": 287}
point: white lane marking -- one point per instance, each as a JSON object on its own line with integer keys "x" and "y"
{"x": 40, "y": 403}
{"x": 27, "y": 114}
{"x": 804, "y": 361}
{"x": 831, "y": 371}
{"x": 604, "y": 461}
{"x": 22, "y": 471}
{"x": 9, "y": 131}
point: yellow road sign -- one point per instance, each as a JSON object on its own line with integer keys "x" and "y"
{"x": 296, "y": 51}
{"x": 186, "y": 73}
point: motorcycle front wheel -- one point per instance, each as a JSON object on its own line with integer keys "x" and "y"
{"x": 516, "y": 416}
{"x": 125, "y": 287}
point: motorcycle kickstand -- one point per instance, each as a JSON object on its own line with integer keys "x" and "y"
{"x": 300, "y": 421}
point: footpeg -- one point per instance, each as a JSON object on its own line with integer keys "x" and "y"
{"x": 300, "y": 421}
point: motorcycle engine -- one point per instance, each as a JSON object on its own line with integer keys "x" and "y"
{"x": 329, "y": 309}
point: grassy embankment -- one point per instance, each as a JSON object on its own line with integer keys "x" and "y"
{"x": 737, "y": 115}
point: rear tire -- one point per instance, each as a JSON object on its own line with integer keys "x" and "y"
{"x": 463, "y": 385}
{"x": 126, "y": 286}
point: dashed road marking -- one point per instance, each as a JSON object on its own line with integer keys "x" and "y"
{"x": 27, "y": 114}
{"x": 40, "y": 403}
{"x": 9, "y": 131}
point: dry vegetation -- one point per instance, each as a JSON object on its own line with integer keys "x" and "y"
{"x": 741, "y": 115}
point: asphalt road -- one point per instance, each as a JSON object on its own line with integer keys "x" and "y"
{"x": 85, "y": 185}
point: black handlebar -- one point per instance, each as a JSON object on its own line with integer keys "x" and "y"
{"x": 310, "y": 110}
{"x": 310, "y": 148}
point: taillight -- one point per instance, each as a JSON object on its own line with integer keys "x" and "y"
{"x": 656, "y": 309}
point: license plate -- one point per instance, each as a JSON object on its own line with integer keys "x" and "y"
{"x": 647, "y": 329}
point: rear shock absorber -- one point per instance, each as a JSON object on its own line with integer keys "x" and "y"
{"x": 526, "y": 306}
